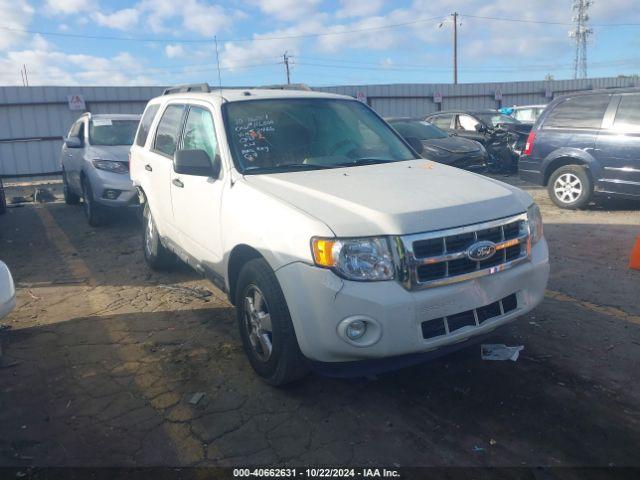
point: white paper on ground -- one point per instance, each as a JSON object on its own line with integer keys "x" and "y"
{"x": 500, "y": 352}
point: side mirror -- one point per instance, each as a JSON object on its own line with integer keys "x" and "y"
{"x": 196, "y": 162}
{"x": 416, "y": 144}
{"x": 7, "y": 291}
{"x": 73, "y": 142}
{"x": 480, "y": 128}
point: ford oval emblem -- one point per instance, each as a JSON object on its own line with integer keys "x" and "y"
{"x": 481, "y": 251}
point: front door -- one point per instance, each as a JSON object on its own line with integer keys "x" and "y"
{"x": 195, "y": 199}
{"x": 618, "y": 147}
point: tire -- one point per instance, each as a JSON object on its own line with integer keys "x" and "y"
{"x": 570, "y": 187}
{"x": 70, "y": 198}
{"x": 3, "y": 199}
{"x": 269, "y": 325}
{"x": 157, "y": 256}
{"x": 96, "y": 216}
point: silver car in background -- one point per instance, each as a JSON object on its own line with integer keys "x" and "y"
{"x": 95, "y": 164}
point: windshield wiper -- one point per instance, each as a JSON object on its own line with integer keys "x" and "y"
{"x": 286, "y": 168}
{"x": 365, "y": 161}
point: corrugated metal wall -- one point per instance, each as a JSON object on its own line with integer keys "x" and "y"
{"x": 33, "y": 120}
{"x": 414, "y": 100}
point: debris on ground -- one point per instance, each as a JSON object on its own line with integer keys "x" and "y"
{"x": 4, "y": 326}
{"x": 196, "y": 397}
{"x": 200, "y": 293}
{"x": 500, "y": 352}
{"x": 43, "y": 195}
{"x": 21, "y": 199}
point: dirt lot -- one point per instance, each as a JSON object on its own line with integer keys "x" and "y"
{"x": 102, "y": 357}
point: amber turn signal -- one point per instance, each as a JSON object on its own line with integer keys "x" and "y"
{"x": 323, "y": 252}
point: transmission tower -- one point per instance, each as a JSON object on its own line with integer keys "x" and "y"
{"x": 581, "y": 33}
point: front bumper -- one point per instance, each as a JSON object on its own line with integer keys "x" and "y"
{"x": 318, "y": 301}
{"x": 102, "y": 181}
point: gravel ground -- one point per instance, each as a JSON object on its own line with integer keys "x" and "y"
{"x": 103, "y": 356}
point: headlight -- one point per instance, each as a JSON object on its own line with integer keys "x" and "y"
{"x": 109, "y": 166}
{"x": 366, "y": 259}
{"x": 535, "y": 223}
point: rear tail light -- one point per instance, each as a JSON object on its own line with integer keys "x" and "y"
{"x": 529, "y": 145}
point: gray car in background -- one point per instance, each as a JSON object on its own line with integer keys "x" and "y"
{"x": 95, "y": 164}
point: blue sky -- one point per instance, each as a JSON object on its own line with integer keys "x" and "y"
{"x": 418, "y": 51}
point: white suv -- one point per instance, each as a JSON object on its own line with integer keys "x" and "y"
{"x": 341, "y": 248}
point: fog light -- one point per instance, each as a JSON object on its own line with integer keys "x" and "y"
{"x": 111, "y": 194}
{"x": 356, "y": 329}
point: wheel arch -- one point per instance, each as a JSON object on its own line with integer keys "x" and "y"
{"x": 239, "y": 256}
{"x": 563, "y": 160}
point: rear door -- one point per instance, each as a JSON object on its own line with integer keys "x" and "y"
{"x": 618, "y": 146}
{"x": 196, "y": 200}
{"x": 158, "y": 163}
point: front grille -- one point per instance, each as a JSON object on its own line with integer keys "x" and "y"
{"x": 471, "y": 318}
{"x": 441, "y": 257}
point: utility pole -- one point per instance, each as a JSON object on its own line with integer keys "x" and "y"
{"x": 286, "y": 66}
{"x": 26, "y": 77}
{"x": 581, "y": 33}
{"x": 455, "y": 47}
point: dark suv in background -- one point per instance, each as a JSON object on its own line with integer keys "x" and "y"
{"x": 584, "y": 144}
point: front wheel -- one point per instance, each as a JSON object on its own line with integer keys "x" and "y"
{"x": 96, "y": 216}
{"x": 70, "y": 198}
{"x": 570, "y": 187}
{"x": 267, "y": 333}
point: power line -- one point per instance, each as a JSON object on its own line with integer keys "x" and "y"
{"x": 548, "y": 22}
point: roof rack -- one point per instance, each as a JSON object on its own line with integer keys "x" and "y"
{"x": 286, "y": 86}
{"x": 193, "y": 87}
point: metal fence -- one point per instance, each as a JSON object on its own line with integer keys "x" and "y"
{"x": 33, "y": 120}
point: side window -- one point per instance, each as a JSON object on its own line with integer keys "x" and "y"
{"x": 628, "y": 115}
{"x": 442, "y": 121}
{"x": 200, "y": 133}
{"x": 585, "y": 111}
{"x": 524, "y": 115}
{"x": 466, "y": 122}
{"x": 145, "y": 124}
{"x": 168, "y": 130}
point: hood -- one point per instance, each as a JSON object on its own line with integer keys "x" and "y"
{"x": 453, "y": 144}
{"x": 117, "y": 153}
{"x": 394, "y": 198}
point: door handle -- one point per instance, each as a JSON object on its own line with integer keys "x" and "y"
{"x": 148, "y": 168}
{"x": 70, "y": 155}
{"x": 177, "y": 183}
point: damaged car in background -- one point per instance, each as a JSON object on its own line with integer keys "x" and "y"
{"x": 503, "y": 136}
{"x": 442, "y": 147}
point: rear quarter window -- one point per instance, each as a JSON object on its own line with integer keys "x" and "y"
{"x": 584, "y": 111}
{"x": 145, "y": 124}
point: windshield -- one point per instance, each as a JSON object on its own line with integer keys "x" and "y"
{"x": 292, "y": 134}
{"x": 494, "y": 119}
{"x": 107, "y": 132}
{"x": 417, "y": 129}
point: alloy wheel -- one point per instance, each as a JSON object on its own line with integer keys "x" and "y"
{"x": 257, "y": 322}
{"x": 567, "y": 188}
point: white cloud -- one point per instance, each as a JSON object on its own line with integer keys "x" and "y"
{"x": 173, "y": 51}
{"x": 48, "y": 66}
{"x": 286, "y": 9}
{"x": 15, "y": 15}
{"x": 206, "y": 20}
{"x": 358, "y": 8}
{"x": 124, "y": 19}
{"x": 67, "y": 6}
